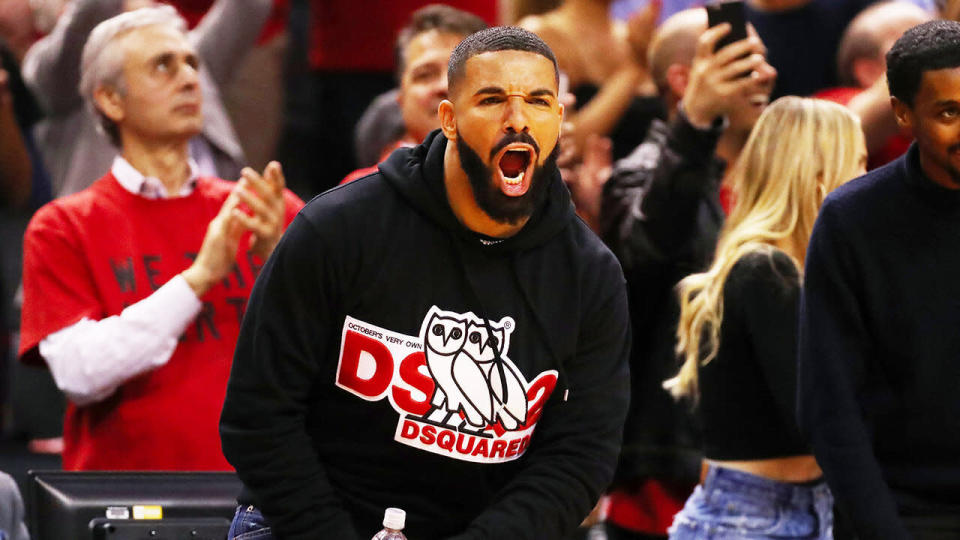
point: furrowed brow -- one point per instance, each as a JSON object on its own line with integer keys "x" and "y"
{"x": 489, "y": 90}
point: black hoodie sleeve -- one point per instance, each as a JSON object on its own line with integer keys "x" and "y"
{"x": 834, "y": 356}
{"x": 276, "y": 363}
{"x": 575, "y": 447}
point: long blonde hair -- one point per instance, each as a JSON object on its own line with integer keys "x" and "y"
{"x": 799, "y": 150}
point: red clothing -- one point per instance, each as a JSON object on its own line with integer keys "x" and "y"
{"x": 359, "y": 173}
{"x": 648, "y": 508}
{"x": 359, "y": 35}
{"x": 895, "y": 146}
{"x": 94, "y": 253}
{"x": 364, "y": 171}
{"x": 194, "y": 10}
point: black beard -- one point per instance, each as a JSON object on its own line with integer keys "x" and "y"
{"x": 500, "y": 207}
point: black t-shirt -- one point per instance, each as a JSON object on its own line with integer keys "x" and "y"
{"x": 748, "y": 391}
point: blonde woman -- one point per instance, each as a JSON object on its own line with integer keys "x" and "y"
{"x": 737, "y": 331}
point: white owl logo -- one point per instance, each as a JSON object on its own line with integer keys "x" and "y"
{"x": 472, "y": 373}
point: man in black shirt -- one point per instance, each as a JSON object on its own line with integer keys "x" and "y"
{"x": 879, "y": 350}
{"x": 495, "y": 323}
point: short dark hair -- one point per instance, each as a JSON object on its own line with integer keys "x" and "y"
{"x": 438, "y": 17}
{"x": 498, "y": 38}
{"x": 926, "y": 47}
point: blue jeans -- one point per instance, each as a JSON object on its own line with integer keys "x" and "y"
{"x": 732, "y": 504}
{"x": 249, "y": 524}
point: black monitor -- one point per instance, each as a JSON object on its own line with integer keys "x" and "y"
{"x": 130, "y": 505}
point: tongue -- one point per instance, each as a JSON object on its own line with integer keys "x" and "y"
{"x": 512, "y": 163}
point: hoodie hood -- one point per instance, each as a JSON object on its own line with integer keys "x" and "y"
{"x": 417, "y": 173}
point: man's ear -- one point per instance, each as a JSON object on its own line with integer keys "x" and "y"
{"x": 677, "y": 77}
{"x": 109, "y": 102}
{"x": 903, "y": 114}
{"x": 448, "y": 120}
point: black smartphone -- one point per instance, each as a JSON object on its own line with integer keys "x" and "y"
{"x": 728, "y": 11}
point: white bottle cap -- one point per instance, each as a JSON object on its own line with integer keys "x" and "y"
{"x": 394, "y": 518}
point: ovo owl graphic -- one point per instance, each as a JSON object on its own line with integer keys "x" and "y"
{"x": 466, "y": 357}
{"x": 455, "y": 388}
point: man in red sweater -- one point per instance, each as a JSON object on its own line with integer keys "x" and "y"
{"x": 134, "y": 287}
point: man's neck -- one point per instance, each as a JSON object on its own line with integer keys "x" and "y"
{"x": 166, "y": 161}
{"x": 464, "y": 204}
{"x": 729, "y": 146}
{"x": 589, "y": 13}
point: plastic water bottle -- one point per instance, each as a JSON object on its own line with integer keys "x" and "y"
{"x": 393, "y": 522}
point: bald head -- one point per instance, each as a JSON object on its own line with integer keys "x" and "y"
{"x": 870, "y": 35}
{"x": 675, "y": 42}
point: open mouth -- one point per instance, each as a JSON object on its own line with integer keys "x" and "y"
{"x": 514, "y": 163}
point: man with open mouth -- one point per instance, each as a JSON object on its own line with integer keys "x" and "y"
{"x": 444, "y": 335}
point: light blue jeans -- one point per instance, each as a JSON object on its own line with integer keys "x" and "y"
{"x": 735, "y": 505}
{"x": 249, "y": 524}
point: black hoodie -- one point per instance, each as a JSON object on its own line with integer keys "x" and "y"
{"x": 377, "y": 313}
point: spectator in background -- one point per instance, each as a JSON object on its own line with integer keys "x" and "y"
{"x": 26, "y": 183}
{"x": 15, "y": 177}
{"x": 134, "y": 287}
{"x": 342, "y": 58}
{"x": 802, "y": 37}
{"x": 738, "y": 331}
{"x": 16, "y": 170}
{"x": 878, "y": 345}
{"x": 662, "y": 211}
{"x": 864, "y": 45}
{"x": 861, "y": 63}
{"x": 17, "y": 27}
{"x": 253, "y": 96}
{"x": 74, "y": 153}
{"x": 423, "y": 50}
{"x": 605, "y": 64}
{"x": 24, "y": 186}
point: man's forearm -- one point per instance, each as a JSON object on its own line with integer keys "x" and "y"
{"x": 90, "y": 359}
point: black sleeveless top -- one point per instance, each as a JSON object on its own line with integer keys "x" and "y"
{"x": 748, "y": 391}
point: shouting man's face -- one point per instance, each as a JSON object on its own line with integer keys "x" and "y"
{"x": 504, "y": 118}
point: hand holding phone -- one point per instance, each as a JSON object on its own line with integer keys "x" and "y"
{"x": 727, "y": 78}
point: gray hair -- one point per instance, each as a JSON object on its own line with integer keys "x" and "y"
{"x": 102, "y": 61}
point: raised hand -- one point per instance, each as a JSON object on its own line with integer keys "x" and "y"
{"x": 264, "y": 212}
{"x": 640, "y": 28}
{"x": 720, "y": 81}
{"x": 219, "y": 250}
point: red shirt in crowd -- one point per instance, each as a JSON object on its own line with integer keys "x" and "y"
{"x": 359, "y": 35}
{"x": 98, "y": 251}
